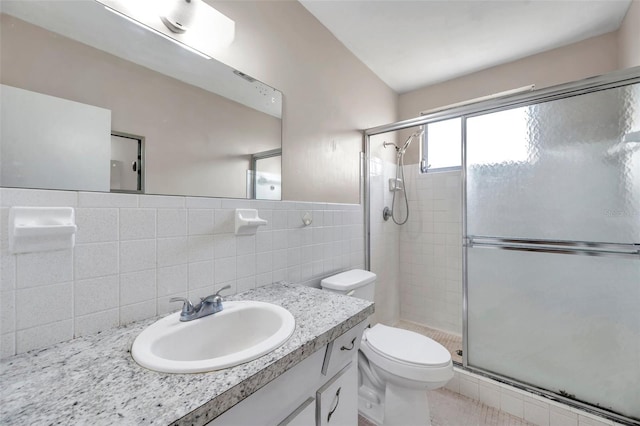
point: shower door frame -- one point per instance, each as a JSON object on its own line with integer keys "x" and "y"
{"x": 589, "y": 85}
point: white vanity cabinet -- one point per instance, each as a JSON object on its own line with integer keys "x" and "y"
{"x": 337, "y": 400}
{"x": 304, "y": 415}
{"x": 321, "y": 390}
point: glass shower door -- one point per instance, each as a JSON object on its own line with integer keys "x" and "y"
{"x": 553, "y": 246}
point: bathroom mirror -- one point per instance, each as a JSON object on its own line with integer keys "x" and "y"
{"x": 202, "y": 124}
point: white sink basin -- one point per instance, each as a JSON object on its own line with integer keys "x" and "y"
{"x": 241, "y": 332}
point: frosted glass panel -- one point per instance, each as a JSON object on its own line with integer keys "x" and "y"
{"x": 567, "y": 323}
{"x": 567, "y": 169}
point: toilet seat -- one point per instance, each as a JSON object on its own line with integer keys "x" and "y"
{"x": 406, "y": 354}
{"x": 407, "y": 347}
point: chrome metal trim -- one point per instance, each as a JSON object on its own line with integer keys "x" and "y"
{"x": 465, "y": 282}
{"x": 367, "y": 201}
{"x": 554, "y": 246}
{"x": 592, "y": 84}
{"x": 142, "y": 167}
{"x": 253, "y": 166}
{"x": 570, "y": 243}
{"x": 554, "y": 396}
{"x": 430, "y": 170}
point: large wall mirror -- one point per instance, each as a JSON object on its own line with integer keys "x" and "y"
{"x": 92, "y": 101}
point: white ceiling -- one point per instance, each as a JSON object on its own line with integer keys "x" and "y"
{"x": 412, "y": 44}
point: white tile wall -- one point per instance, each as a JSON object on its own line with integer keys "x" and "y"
{"x": 134, "y": 252}
{"x": 431, "y": 251}
{"x": 532, "y": 408}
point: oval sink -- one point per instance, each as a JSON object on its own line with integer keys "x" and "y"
{"x": 241, "y": 332}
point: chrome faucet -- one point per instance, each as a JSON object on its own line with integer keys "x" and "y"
{"x": 208, "y": 305}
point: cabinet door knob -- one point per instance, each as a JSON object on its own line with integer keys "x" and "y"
{"x": 353, "y": 345}
{"x": 337, "y": 399}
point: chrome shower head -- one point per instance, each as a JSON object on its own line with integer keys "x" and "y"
{"x": 417, "y": 134}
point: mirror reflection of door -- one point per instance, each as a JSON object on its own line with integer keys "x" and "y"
{"x": 265, "y": 176}
{"x": 127, "y": 163}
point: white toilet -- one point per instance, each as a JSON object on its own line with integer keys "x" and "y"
{"x": 395, "y": 367}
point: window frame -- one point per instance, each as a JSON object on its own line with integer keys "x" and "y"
{"x": 424, "y": 167}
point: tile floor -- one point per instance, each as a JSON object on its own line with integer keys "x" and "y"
{"x": 452, "y": 409}
{"x": 452, "y": 342}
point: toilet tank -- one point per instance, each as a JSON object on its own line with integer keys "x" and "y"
{"x": 356, "y": 282}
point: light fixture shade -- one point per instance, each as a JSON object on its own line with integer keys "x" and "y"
{"x": 192, "y": 23}
{"x": 180, "y": 14}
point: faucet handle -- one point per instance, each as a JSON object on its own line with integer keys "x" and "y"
{"x": 215, "y": 298}
{"x": 226, "y": 287}
{"x": 187, "y": 307}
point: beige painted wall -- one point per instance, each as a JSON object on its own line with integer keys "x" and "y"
{"x": 594, "y": 56}
{"x": 329, "y": 95}
{"x": 629, "y": 38}
{"x": 197, "y": 143}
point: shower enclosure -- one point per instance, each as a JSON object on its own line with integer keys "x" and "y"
{"x": 551, "y": 241}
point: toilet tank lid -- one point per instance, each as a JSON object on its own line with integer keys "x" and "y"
{"x": 348, "y": 280}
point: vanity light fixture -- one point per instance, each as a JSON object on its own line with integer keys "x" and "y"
{"x": 191, "y": 24}
{"x": 140, "y": 24}
{"x": 180, "y": 15}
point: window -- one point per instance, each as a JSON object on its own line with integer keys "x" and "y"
{"x": 442, "y": 146}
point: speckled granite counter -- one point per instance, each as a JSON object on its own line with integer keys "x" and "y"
{"x": 93, "y": 380}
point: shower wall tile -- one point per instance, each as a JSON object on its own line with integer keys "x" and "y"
{"x": 430, "y": 246}
{"x": 536, "y": 412}
{"x": 134, "y": 252}
{"x": 535, "y": 409}
{"x": 512, "y": 403}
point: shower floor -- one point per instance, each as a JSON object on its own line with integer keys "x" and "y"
{"x": 452, "y": 342}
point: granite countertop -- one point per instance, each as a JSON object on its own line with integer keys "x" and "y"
{"x": 93, "y": 380}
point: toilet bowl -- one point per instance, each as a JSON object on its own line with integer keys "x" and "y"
{"x": 395, "y": 367}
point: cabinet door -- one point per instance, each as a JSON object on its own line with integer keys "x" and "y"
{"x": 304, "y": 415}
{"x": 337, "y": 400}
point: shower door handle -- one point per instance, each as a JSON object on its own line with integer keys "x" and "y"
{"x": 554, "y": 247}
